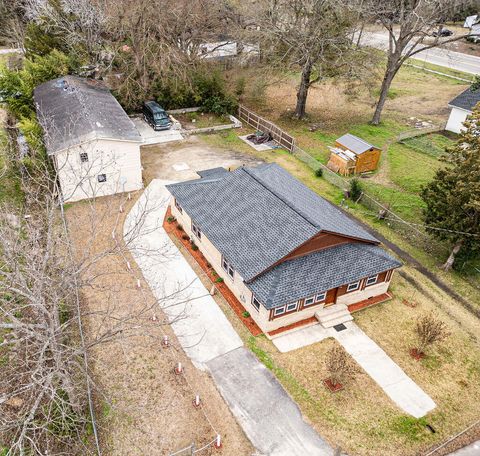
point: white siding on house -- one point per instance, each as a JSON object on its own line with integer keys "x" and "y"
{"x": 118, "y": 160}
{"x": 456, "y": 119}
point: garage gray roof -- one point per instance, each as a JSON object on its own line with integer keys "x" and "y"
{"x": 466, "y": 100}
{"x": 257, "y": 216}
{"x": 73, "y": 110}
{"x": 354, "y": 143}
{"x": 320, "y": 271}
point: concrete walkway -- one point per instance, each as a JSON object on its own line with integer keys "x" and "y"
{"x": 267, "y": 414}
{"x": 390, "y": 377}
{"x": 470, "y": 450}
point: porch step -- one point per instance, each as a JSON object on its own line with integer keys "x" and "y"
{"x": 333, "y": 315}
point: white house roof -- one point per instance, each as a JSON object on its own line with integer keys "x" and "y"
{"x": 73, "y": 110}
{"x": 470, "y": 21}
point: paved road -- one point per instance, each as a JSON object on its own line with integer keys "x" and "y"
{"x": 437, "y": 56}
{"x": 470, "y": 450}
{"x": 267, "y": 414}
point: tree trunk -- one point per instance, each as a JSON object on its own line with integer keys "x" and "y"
{"x": 386, "y": 83}
{"x": 302, "y": 92}
{"x": 451, "y": 259}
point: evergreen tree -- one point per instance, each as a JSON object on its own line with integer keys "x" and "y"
{"x": 453, "y": 196}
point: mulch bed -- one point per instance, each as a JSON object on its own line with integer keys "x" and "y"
{"x": 297, "y": 324}
{"x": 234, "y": 303}
{"x": 370, "y": 302}
{"x": 414, "y": 353}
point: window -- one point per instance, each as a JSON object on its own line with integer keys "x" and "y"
{"x": 227, "y": 267}
{"x": 255, "y": 303}
{"x": 371, "y": 280}
{"x": 320, "y": 297}
{"x": 353, "y": 286}
{"x": 102, "y": 178}
{"x": 292, "y": 306}
{"x": 178, "y": 206}
{"x": 196, "y": 231}
{"x": 279, "y": 311}
{"x": 83, "y": 157}
{"x": 309, "y": 301}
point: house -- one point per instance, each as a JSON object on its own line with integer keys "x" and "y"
{"x": 470, "y": 21}
{"x": 288, "y": 255}
{"x": 94, "y": 145}
{"x": 462, "y": 106}
{"x": 353, "y": 155}
{"x": 225, "y": 49}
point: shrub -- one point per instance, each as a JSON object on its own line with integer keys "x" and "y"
{"x": 319, "y": 172}
{"x": 185, "y": 236}
{"x": 339, "y": 366}
{"x": 171, "y": 219}
{"x": 179, "y": 226}
{"x": 194, "y": 246}
{"x": 429, "y": 330}
{"x": 355, "y": 189}
{"x": 246, "y": 314}
{"x": 218, "y": 280}
{"x": 209, "y": 265}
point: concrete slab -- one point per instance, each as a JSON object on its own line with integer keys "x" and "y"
{"x": 259, "y": 147}
{"x": 203, "y": 330}
{"x": 302, "y": 337}
{"x": 150, "y": 136}
{"x": 389, "y": 376}
{"x": 180, "y": 166}
{"x": 470, "y": 450}
{"x": 269, "y": 417}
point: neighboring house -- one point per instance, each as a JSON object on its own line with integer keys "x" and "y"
{"x": 225, "y": 49}
{"x": 353, "y": 155}
{"x": 470, "y": 21}
{"x": 94, "y": 145}
{"x": 287, "y": 254}
{"x": 462, "y": 106}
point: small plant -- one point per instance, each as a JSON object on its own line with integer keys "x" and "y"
{"x": 208, "y": 265}
{"x": 171, "y": 219}
{"x": 246, "y": 314}
{"x": 194, "y": 246}
{"x": 185, "y": 236}
{"x": 355, "y": 189}
{"x": 319, "y": 172}
{"x": 340, "y": 368}
{"x": 429, "y": 330}
{"x": 218, "y": 280}
{"x": 180, "y": 227}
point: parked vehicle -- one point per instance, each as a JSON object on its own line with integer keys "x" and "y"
{"x": 443, "y": 32}
{"x": 156, "y": 116}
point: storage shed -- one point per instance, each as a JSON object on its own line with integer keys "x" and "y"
{"x": 461, "y": 107}
{"x": 353, "y": 155}
{"x": 94, "y": 145}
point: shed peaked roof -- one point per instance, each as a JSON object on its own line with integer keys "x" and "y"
{"x": 354, "y": 143}
{"x": 467, "y": 100}
{"x": 73, "y": 110}
{"x": 257, "y": 216}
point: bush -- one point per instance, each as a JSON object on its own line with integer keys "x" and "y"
{"x": 246, "y": 314}
{"x": 429, "y": 330}
{"x": 339, "y": 366}
{"x": 194, "y": 246}
{"x": 218, "y": 280}
{"x": 185, "y": 236}
{"x": 319, "y": 172}
{"x": 355, "y": 189}
{"x": 180, "y": 227}
{"x": 171, "y": 219}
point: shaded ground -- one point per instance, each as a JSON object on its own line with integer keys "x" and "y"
{"x": 143, "y": 408}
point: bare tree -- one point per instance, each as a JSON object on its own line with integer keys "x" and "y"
{"x": 311, "y": 35}
{"x": 412, "y": 26}
{"x": 430, "y": 330}
{"x": 339, "y": 366}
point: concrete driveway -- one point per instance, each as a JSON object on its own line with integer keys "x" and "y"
{"x": 180, "y": 161}
{"x": 267, "y": 414}
{"x": 150, "y": 136}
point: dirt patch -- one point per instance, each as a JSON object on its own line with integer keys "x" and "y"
{"x": 141, "y": 405}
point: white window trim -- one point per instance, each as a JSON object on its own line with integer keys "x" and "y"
{"x": 83, "y": 154}
{"x": 227, "y": 267}
{"x": 196, "y": 231}
{"x": 291, "y": 304}
{"x": 374, "y": 278}
{"x": 323, "y": 295}
{"x": 354, "y": 286}
{"x": 277, "y": 311}
{"x": 101, "y": 181}
{"x": 306, "y": 304}
{"x": 177, "y": 205}
{"x": 255, "y": 300}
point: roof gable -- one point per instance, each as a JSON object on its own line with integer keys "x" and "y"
{"x": 257, "y": 216}
{"x": 73, "y": 110}
{"x": 354, "y": 143}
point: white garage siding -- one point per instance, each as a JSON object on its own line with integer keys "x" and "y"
{"x": 456, "y": 119}
{"x": 118, "y": 161}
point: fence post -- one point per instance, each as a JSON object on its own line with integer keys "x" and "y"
{"x": 192, "y": 449}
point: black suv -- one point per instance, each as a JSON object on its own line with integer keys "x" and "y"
{"x": 156, "y": 116}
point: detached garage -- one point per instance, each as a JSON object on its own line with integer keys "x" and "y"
{"x": 462, "y": 106}
{"x": 94, "y": 145}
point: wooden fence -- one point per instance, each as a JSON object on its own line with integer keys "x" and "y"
{"x": 259, "y": 123}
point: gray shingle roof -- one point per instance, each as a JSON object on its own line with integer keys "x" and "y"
{"x": 256, "y": 216}
{"x": 212, "y": 173}
{"x": 72, "y": 110}
{"x": 354, "y": 143}
{"x": 466, "y": 100}
{"x": 320, "y": 271}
